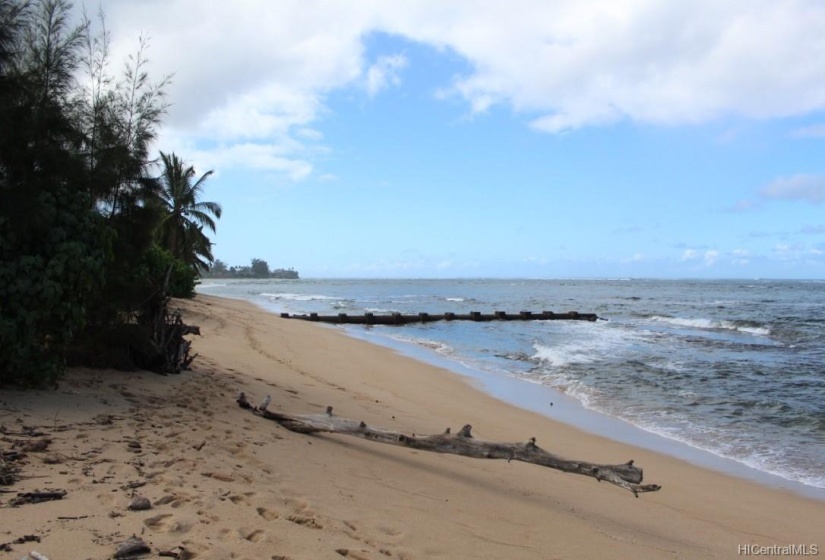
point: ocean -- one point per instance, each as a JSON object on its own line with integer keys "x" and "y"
{"x": 733, "y": 369}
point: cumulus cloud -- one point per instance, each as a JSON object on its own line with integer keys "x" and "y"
{"x": 689, "y": 255}
{"x": 709, "y": 257}
{"x": 740, "y": 257}
{"x": 255, "y": 156}
{"x": 787, "y": 251}
{"x": 809, "y": 188}
{"x": 579, "y": 64}
{"x": 635, "y": 258}
{"x": 259, "y": 69}
{"x": 384, "y": 73}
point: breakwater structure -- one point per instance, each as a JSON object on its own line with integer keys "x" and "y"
{"x": 405, "y": 319}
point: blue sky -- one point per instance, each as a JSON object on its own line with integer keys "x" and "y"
{"x": 621, "y": 138}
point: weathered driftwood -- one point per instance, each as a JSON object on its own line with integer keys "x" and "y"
{"x": 172, "y": 349}
{"x": 132, "y": 547}
{"x": 627, "y": 475}
{"x": 7, "y": 547}
{"x": 9, "y": 470}
{"x": 37, "y": 497}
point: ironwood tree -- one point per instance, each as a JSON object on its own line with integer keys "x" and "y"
{"x": 81, "y": 274}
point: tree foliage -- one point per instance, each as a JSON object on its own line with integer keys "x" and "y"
{"x": 185, "y": 215}
{"x": 78, "y": 223}
{"x": 51, "y": 242}
{"x": 259, "y": 268}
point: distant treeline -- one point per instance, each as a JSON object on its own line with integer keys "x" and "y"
{"x": 258, "y": 269}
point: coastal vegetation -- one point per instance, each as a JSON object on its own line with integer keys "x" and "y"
{"x": 259, "y": 268}
{"x": 92, "y": 244}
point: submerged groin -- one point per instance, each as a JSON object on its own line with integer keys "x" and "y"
{"x": 405, "y": 319}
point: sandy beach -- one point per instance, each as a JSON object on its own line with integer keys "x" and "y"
{"x": 224, "y": 483}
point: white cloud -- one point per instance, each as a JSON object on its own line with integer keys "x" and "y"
{"x": 384, "y": 73}
{"x": 689, "y": 255}
{"x": 810, "y": 188}
{"x": 788, "y": 251}
{"x": 256, "y": 156}
{"x": 636, "y": 258}
{"x": 588, "y": 63}
{"x": 709, "y": 257}
{"x": 740, "y": 257}
{"x": 255, "y": 70}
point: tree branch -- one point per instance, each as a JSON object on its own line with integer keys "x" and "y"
{"x": 627, "y": 475}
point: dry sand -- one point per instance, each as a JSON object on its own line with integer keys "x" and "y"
{"x": 225, "y": 483}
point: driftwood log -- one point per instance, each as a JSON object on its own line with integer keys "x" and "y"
{"x": 37, "y": 497}
{"x": 626, "y": 475}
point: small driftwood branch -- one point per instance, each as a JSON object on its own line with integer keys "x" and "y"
{"x": 626, "y": 475}
{"x": 37, "y": 497}
{"x": 7, "y": 547}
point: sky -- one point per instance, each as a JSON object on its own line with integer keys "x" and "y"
{"x": 531, "y": 138}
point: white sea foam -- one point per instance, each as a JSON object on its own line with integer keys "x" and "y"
{"x": 298, "y": 297}
{"x": 586, "y": 395}
{"x": 454, "y": 299}
{"x": 585, "y": 343}
{"x": 560, "y": 356}
{"x": 711, "y": 324}
{"x": 718, "y": 442}
{"x": 434, "y": 345}
{"x": 756, "y": 331}
{"x": 380, "y": 310}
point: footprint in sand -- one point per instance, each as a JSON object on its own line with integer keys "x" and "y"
{"x": 306, "y": 521}
{"x": 252, "y": 535}
{"x": 167, "y": 523}
{"x": 236, "y": 499}
{"x": 175, "y": 499}
{"x": 296, "y": 505}
{"x": 355, "y": 554}
{"x": 267, "y": 514}
{"x": 195, "y": 549}
{"x": 107, "y": 500}
{"x": 390, "y": 531}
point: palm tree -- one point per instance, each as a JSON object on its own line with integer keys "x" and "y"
{"x": 185, "y": 216}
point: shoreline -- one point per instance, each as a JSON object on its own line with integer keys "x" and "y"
{"x": 568, "y": 410}
{"x": 225, "y": 483}
{"x": 517, "y": 392}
